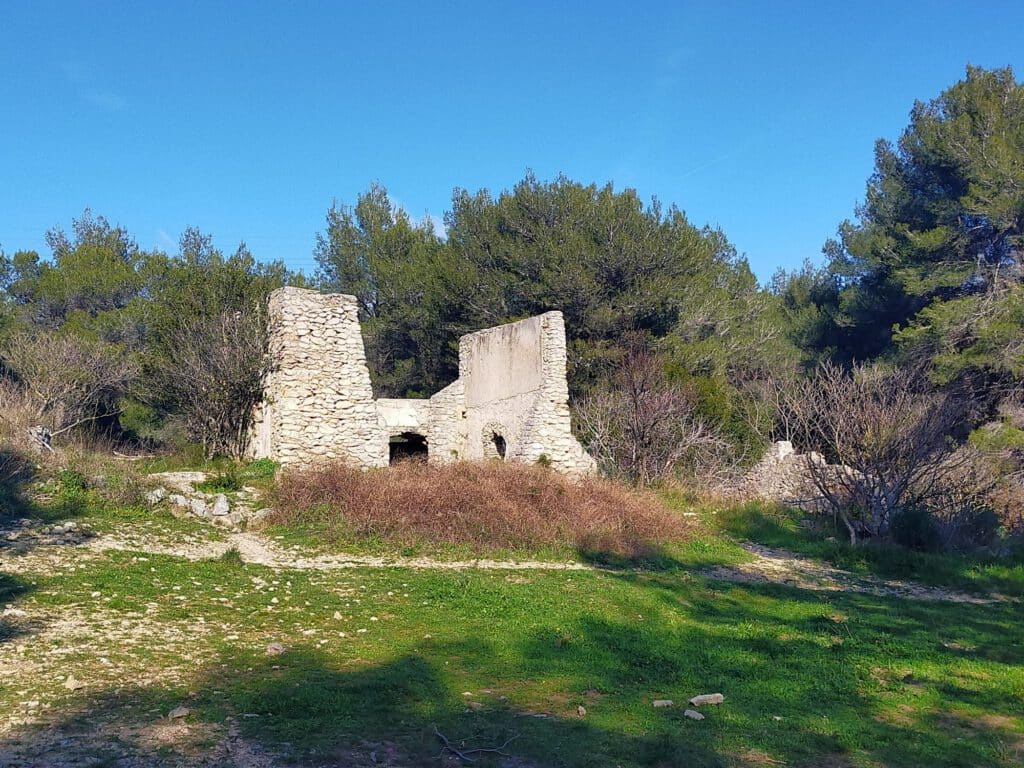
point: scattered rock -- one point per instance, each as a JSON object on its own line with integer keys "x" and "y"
{"x": 707, "y": 698}
{"x": 693, "y": 714}
{"x": 275, "y": 649}
{"x": 72, "y": 684}
{"x": 198, "y": 507}
{"x": 156, "y": 496}
{"x": 221, "y": 506}
{"x": 663, "y": 702}
{"x": 178, "y": 500}
{"x": 581, "y": 711}
{"x": 178, "y": 712}
{"x": 15, "y": 612}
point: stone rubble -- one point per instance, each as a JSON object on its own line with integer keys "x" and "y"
{"x": 215, "y": 507}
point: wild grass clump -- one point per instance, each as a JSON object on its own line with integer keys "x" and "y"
{"x": 486, "y": 506}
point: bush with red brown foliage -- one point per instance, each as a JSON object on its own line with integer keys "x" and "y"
{"x": 487, "y": 506}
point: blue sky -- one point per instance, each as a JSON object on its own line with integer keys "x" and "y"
{"x": 248, "y": 119}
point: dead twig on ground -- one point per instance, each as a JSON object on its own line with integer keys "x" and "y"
{"x": 465, "y": 752}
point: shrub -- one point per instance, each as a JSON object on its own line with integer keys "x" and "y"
{"x": 65, "y": 381}
{"x": 211, "y": 375}
{"x": 916, "y": 528}
{"x": 225, "y": 481}
{"x": 889, "y": 434}
{"x": 71, "y": 481}
{"x": 489, "y": 506}
{"x": 645, "y": 428}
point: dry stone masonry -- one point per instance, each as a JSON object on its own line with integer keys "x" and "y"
{"x": 510, "y": 400}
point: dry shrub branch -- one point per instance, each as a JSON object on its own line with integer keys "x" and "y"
{"x": 61, "y": 382}
{"x": 644, "y": 428}
{"x": 887, "y": 436}
{"x": 212, "y": 375}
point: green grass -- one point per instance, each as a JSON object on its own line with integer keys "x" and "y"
{"x": 699, "y": 551}
{"x": 853, "y": 677}
{"x": 780, "y": 527}
{"x": 837, "y": 679}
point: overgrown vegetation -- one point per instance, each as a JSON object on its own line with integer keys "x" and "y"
{"x": 489, "y": 507}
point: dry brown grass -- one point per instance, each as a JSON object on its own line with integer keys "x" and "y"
{"x": 487, "y": 506}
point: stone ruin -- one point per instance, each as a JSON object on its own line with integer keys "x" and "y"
{"x": 782, "y": 475}
{"x": 785, "y": 476}
{"x": 511, "y": 400}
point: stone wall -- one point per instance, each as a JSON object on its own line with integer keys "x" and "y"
{"x": 510, "y": 400}
{"x": 318, "y": 402}
{"x": 516, "y": 391}
{"x": 785, "y": 476}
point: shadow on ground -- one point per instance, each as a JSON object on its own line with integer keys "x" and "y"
{"x": 870, "y": 681}
{"x": 12, "y": 624}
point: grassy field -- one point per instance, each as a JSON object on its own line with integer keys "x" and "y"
{"x": 562, "y": 667}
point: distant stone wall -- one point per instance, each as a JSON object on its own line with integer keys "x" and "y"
{"x": 781, "y": 475}
{"x": 318, "y": 402}
{"x": 510, "y": 400}
{"x": 785, "y": 476}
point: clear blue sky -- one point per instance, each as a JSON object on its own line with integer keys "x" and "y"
{"x": 247, "y": 118}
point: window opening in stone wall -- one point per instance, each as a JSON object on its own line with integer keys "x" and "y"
{"x": 499, "y": 444}
{"x": 407, "y": 446}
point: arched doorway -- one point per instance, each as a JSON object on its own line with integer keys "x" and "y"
{"x": 498, "y": 440}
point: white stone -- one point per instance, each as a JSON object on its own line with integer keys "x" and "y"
{"x": 318, "y": 403}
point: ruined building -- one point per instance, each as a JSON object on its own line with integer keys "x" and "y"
{"x": 509, "y": 402}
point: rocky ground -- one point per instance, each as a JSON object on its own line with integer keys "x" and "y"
{"x": 92, "y": 643}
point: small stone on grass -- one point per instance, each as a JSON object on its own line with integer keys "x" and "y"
{"x": 707, "y": 698}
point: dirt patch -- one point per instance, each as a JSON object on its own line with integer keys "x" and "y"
{"x": 779, "y": 566}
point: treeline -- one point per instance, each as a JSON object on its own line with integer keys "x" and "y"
{"x": 679, "y": 361}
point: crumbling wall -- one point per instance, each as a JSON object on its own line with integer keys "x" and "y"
{"x": 510, "y": 400}
{"x": 446, "y": 436}
{"x": 516, "y": 394}
{"x": 318, "y": 402}
{"x": 781, "y": 475}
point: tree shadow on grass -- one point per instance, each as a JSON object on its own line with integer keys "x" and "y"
{"x": 16, "y": 473}
{"x": 22, "y": 516}
{"x": 299, "y": 708}
{"x": 12, "y": 624}
{"x": 773, "y": 651}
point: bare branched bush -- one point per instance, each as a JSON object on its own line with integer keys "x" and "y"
{"x": 489, "y": 506}
{"x": 644, "y": 428}
{"x": 212, "y": 377}
{"x": 886, "y": 436}
{"x": 63, "y": 381}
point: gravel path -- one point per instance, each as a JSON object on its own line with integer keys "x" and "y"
{"x": 779, "y": 566}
